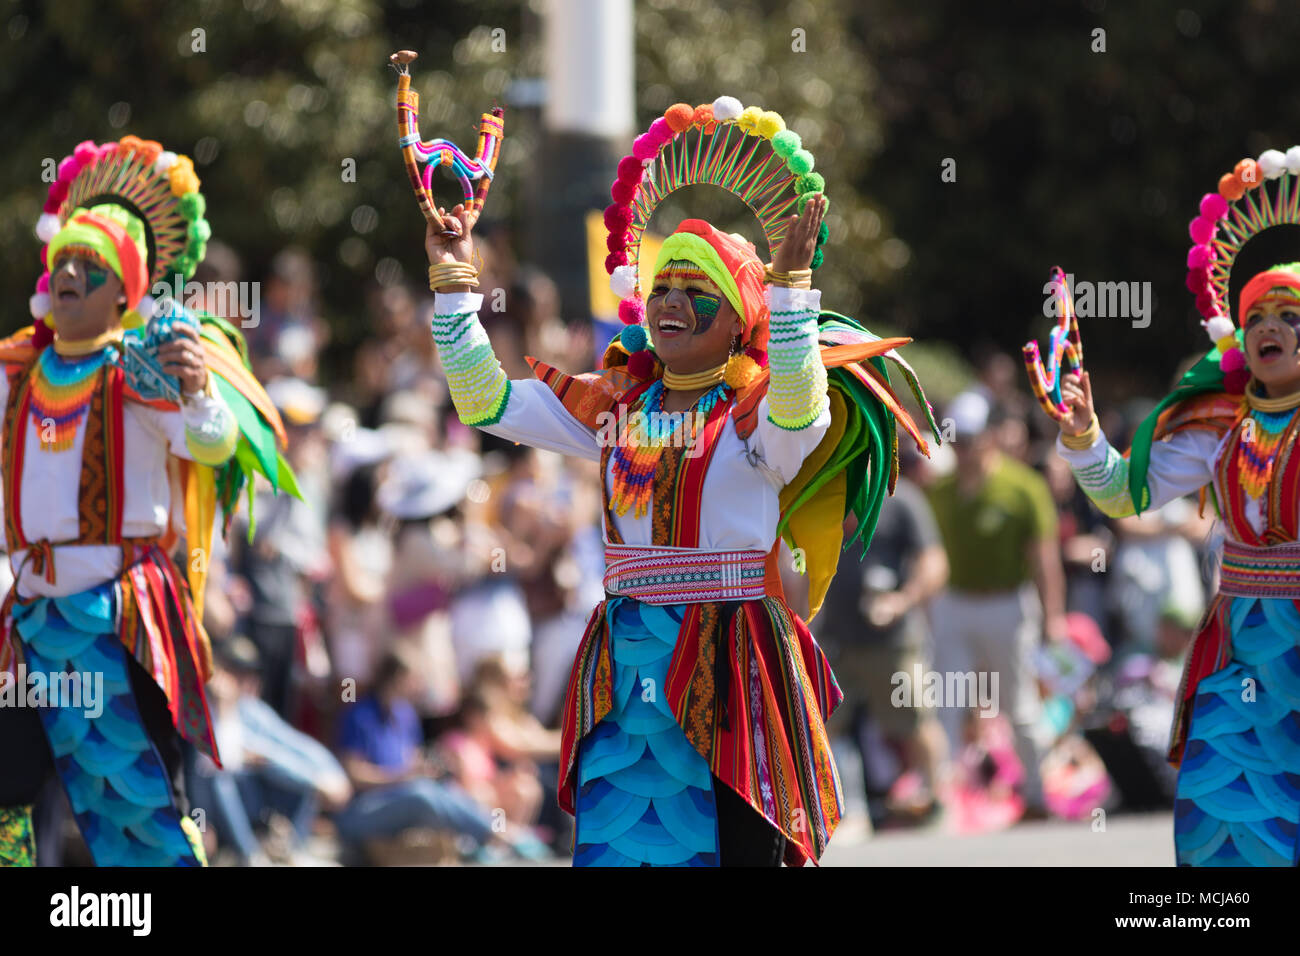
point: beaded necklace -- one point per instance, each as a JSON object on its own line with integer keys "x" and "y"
{"x": 1259, "y": 453}
{"x": 61, "y": 391}
{"x": 641, "y": 442}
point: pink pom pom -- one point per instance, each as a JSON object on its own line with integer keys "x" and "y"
{"x": 1205, "y": 303}
{"x": 616, "y": 241}
{"x": 68, "y": 167}
{"x": 660, "y": 131}
{"x": 631, "y": 310}
{"x": 42, "y": 335}
{"x": 641, "y": 364}
{"x": 1200, "y": 257}
{"x": 1232, "y": 360}
{"x": 43, "y": 283}
{"x": 105, "y": 151}
{"x": 618, "y": 218}
{"x": 45, "y": 256}
{"x": 1202, "y": 230}
{"x": 1198, "y": 281}
{"x": 51, "y": 205}
{"x": 622, "y": 192}
{"x": 1236, "y": 381}
{"x": 615, "y": 259}
{"x": 59, "y": 192}
{"x": 643, "y": 147}
{"x": 630, "y": 170}
{"x": 1214, "y": 206}
{"x": 85, "y": 152}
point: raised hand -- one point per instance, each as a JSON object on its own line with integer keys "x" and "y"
{"x": 800, "y": 242}
{"x": 451, "y": 248}
{"x": 1076, "y": 392}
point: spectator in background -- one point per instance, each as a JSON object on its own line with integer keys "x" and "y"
{"x": 288, "y": 334}
{"x": 872, "y": 626}
{"x": 1006, "y": 587}
{"x": 267, "y": 766}
{"x": 381, "y": 745}
{"x": 288, "y": 547}
{"x": 1086, "y": 543}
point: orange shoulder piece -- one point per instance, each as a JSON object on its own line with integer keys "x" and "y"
{"x": 587, "y": 395}
{"x": 17, "y": 349}
{"x": 1213, "y": 411}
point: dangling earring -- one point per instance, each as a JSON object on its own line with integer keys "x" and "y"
{"x": 740, "y": 367}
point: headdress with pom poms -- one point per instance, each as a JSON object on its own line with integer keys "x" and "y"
{"x": 157, "y": 187}
{"x": 1243, "y": 207}
{"x": 746, "y": 151}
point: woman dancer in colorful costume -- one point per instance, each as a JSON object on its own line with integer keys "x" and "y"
{"x": 123, "y": 426}
{"x": 730, "y": 411}
{"x": 1229, "y": 431}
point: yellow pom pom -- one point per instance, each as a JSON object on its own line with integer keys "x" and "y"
{"x": 748, "y": 120}
{"x": 770, "y": 123}
{"x": 741, "y": 370}
{"x": 1225, "y": 343}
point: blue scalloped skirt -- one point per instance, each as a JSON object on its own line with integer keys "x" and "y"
{"x": 114, "y": 777}
{"x": 1238, "y": 795}
{"x": 645, "y": 795}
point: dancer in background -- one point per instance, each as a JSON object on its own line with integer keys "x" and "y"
{"x": 124, "y": 426}
{"x": 1228, "y": 431}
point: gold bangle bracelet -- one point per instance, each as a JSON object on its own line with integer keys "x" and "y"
{"x": 1083, "y": 441}
{"x": 452, "y": 273}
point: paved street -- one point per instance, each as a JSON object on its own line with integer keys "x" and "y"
{"x": 1135, "y": 840}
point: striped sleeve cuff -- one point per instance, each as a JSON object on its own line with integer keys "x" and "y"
{"x": 796, "y": 393}
{"x": 477, "y": 382}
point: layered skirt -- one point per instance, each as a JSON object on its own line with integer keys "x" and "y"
{"x": 1238, "y": 793}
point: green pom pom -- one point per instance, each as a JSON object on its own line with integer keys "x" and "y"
{"x": 633, "y": 338}
{"x": 801, "y": 162}
{"x": 200, "y": 231}
{"x": 192, "y": 206}
{"x": 803, "y": 201}
{"x": 810, "y": 183}
{"x": 197, "y": 250}
{"x": 823, "y": 232}
{"x": 785, "y": 143}
{"x": 185, "y": 264}
{"x": 818, "y": 258}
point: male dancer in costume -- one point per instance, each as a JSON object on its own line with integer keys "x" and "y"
{"x": 1228, "y": 429}
{"x": 694, "y": 726}
{"x": 115, "y": 439}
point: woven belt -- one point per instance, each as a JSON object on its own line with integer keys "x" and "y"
{"x": 684, "y": 575}
{"x": 1272, "y": 572}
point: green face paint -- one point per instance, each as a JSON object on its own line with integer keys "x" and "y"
{"x": 706, "y": 309}
{"x": 96, "y": 276}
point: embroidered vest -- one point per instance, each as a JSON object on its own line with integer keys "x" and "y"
{"x": 101, "y": 486}
{"x": 1282, "y": 498}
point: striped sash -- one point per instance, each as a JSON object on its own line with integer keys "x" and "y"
{"x": 1260, "y": 572}
{"x": 656, "y": 575}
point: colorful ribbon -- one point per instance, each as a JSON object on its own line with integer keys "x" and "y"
{"x": 1064, "y": 343}
{"x": 475, "y": 174}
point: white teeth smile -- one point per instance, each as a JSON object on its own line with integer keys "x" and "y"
{"x": 672, "y": 325}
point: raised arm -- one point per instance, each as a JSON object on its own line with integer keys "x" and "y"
{"x": 1180, "y": 465}
{"x": 795, "y": 413}
{"x": 524, "y": 410}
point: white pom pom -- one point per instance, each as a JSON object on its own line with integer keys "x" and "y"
{"x": 1293, "y": 160}
{"x": 622, "y": 281}
{"x": 1272, "y": 163}
{"x": 1218, "y": 326}
{"x": 40, "y": 304}
{"x": 145, "y": 307}
{"x": 47, "y": 227}
{"x": 164, "y": 162}
{"x": 726, "y": 108}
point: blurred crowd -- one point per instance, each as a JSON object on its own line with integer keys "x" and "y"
{"x": 392, "y": 651}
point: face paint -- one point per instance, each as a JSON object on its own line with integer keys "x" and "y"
{"x": 96, "y": 269}
{"x": 1282, "y": 304}
{"x": 96, "y": 276}
{"x": 704, "y": 295}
